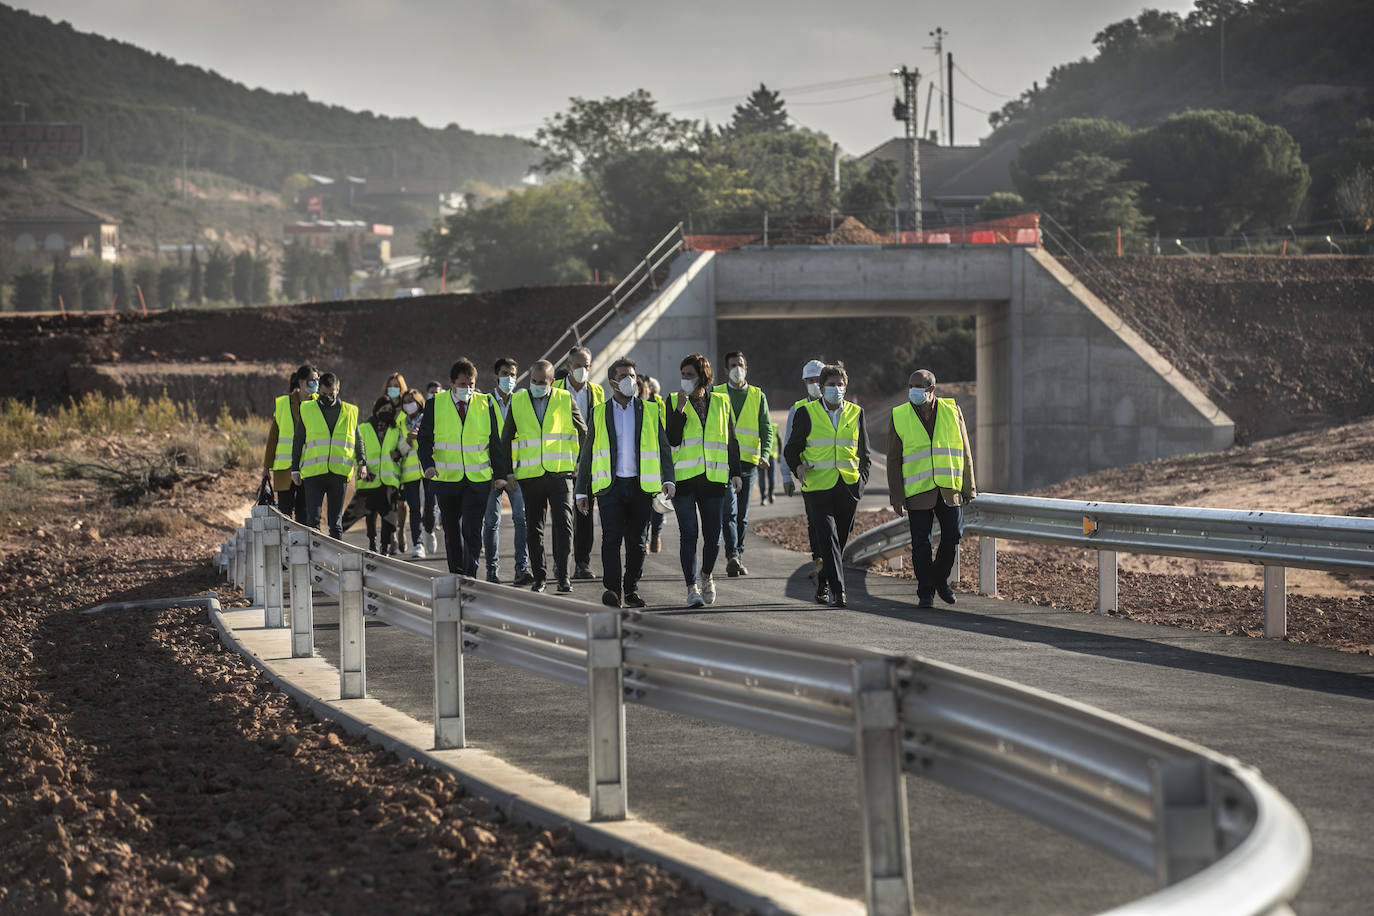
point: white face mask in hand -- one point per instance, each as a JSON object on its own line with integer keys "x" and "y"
{"x": 628, "y": 386}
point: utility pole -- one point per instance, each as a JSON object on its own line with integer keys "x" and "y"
{"x": 905, "y": 110}
{"x": 940, "y": 35}
{"x": 23, "y": 116}
{"x": 184, "y": 115}
{"x": 949, "y": 69}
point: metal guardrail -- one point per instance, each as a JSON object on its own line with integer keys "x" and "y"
{"x": 598, "y": 315}
{"x": 1274, "y": 540}
{"x": 1216, "y": 836}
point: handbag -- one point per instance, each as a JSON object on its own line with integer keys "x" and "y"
{"x": 266, "y": 495}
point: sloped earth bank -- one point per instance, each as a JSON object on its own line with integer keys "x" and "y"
{"x": 144, "y": 768}
{"x": 1329, "y": 472}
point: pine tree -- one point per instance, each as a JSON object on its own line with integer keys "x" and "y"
{"x": 197, "y": 282}
{"x": 243, "y": 277}
{"x": 763, "y": 111}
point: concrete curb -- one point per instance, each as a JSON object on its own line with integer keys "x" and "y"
{"x": 520, "y": 795}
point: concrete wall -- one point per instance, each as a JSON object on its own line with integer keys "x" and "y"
{"x": 681, "y": 319}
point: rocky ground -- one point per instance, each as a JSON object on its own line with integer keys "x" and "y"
{"x": 1328, "y": 472}
{"x": 143, "y": 768}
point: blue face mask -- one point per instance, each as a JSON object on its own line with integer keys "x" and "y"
{"x": 834, "y": 394}
{"x": 506, "y": 383}
{"x": 393, "y": 392}
{"x": 917, "y": 396}
{"x": 312, "y": 387}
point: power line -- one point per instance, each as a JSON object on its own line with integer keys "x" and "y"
{"x": 962, "y": 103}
{"x": 847, "y": 83}
{"x": 980, "y": 85}
{"x": 871, "y": 95}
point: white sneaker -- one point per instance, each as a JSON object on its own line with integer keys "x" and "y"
{"x": 694, "y": 598}
{"x": 418, "y": 552}
{"x": 708, "y": 588}
{"x": 431, "y": 542}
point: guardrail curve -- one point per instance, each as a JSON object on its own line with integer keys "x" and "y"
{"x": 1216, "y": 836}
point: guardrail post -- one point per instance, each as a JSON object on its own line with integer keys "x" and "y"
{"x": 1106, "y": 581}
{"x": 445, "y": 597}
{"x": 1186, "y": 835}
{"x": 606, "y": 701}
{"x": 882, "y": 788}
{"x": 246, "y": 586}
{"x": 352, "y": 629}
{"x": 271, "y": 563}
{"x": 235, "y": 554}
{"x": 1275, "y": 601}
{"x": 259, "y": 526}
{"x": 302, "y": 597}
{"x": 987, "y": 565}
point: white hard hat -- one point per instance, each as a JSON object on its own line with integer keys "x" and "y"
{"x": 812, "y": 369}
{"x": 662, "y": 504}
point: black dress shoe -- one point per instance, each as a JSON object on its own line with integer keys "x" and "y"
{"x": 946, "y": 593}
{"x": 837, "y": 600}
{"x": 564, "y": 587}
{"x": 493, "y": 578}
{"x": 925, "y": 601}
{"x": 610, "y": 598}
{"x": 583, "y": 572}
{"x": 632, "y": 599}
{"x": 525, "y": 578}
{"x": 538, "y": 585}
{"x": 822, "y": 594}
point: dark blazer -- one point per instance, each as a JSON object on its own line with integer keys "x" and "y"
{"x": 584, "y": 460}
{"x": 500, "y": 458}
{"x": 508, "y": 436}
{"x": 796, "y": 444}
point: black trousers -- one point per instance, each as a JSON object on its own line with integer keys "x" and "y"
{"x": 625, "y": 511}
{"x": 291, "y": 502}
{"x": 811, "y": 530}
{"x": 832, "y": 516}
{"x": 556, "y": 495}
{"x": 933, "y": 572}
{"x": 317, "y": 490}
{"x": 462, "y": 504}
{"x": 584, "y": 532}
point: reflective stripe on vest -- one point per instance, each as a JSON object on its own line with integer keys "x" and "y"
{"x": 326, "y": 452}
{"x": 831, "y": 454}
{"x": 550, "y": 447}
{"x": 747, "y": 424}
{"x": 461, "y": 449}
{"x": 286, "y": 433}
{"x": 704, "y": 450}
{"x": 373, "y": 446}
{"x": 598, "y": 393}
{"x": 927, "y": 463}
{"x": 405, "y": 469}
{"x": 650, "y": 468}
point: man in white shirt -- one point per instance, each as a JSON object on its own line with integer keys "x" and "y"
{"x": 617, "y": 469}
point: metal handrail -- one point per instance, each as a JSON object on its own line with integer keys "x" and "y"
{"x": 1189, "y": 816}
{"x": 598, "y": 315}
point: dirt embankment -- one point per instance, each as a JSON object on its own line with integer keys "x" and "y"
{"x": 199, "y": 356}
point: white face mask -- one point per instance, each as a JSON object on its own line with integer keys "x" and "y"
{"x": 460, "y": 395}
{"x": 410, "y": 407}
{"x": 628, "y": 386}
{"x": 834, "y": 394}
{"x": 689, "y": 385}
{"x": 579, "y": 375}
{"x": 506, "y": 383}
{"x": 737, "y": 374}
{"x": 813, "y": 389}
{"x": 538, "y": 391}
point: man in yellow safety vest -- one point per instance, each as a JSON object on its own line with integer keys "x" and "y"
{"x": 754, "y": 429}
{"x": 828, "y": 453}
{"x": 930, "y": 477}
{"x": 460, "y": 454}
{"x": 325, "y": 449}
{"x": 587, "y": 395}
{"x": 625, "y": 462}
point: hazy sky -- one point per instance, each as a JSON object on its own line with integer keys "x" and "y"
{"x": 505, "y": 65}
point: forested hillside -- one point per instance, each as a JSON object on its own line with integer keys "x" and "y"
{"x": 136, "y": 104}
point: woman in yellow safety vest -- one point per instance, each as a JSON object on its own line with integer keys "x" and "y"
{"x": 828, "y": 452}
{"x": 379, "y": 493}
{"x": 276, "y": 459}
{"x": 706, "y": 461}
{"x": 405, "y": 450}
{"x": 653, "y": 542}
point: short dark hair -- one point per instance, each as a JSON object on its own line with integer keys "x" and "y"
{"x": 502, "y": 363}
{"x": 434, "y": 383}
{"x": 299, "y": 375}
{"x": 623, "y": 361}
{"x": 381, "y": 404}
{"x": 560, "y": 373}
{"x": 463, "y": 366}
{"x": 836, "y": 371}
{"x": 329, "y": 380}
{"x": 699, "y": 362}
{"x": 733, "y": 353}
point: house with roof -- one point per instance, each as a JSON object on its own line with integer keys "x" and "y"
{"x": 62, "y": 227}
{"x": 954, "y": 179}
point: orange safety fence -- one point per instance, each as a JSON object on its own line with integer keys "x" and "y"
{"x": 1015, "y": 230}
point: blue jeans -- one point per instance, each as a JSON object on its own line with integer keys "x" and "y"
{"x": 737, "y": 512}
{"x": 933, "y": 572}
{"x": 491, "y": 531}
{"x": 686, "y": 505}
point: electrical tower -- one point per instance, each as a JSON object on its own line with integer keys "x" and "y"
{"x": 940, "y": 35}
{"x": 905, "y": 110}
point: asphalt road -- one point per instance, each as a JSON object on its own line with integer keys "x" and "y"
{"x": 1302, "y": 715}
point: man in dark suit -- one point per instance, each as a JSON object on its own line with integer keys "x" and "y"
{"x": 625, "y": 462}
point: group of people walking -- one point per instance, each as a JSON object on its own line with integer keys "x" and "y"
{"x": 565, "y": 444}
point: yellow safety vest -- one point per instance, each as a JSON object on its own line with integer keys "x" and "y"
{"x": 374, "y": 448}
{"x": 650, "y": 470}
{"x": 704, "y": 449}
{"x": 395, "y": 473}
{"x": 286, "y": 432}
{"x": 598, "y": 393}
{"x": 927, "y": 463}
{"x": 461, "y": 450}
{"x": 747, "y": 424}
{"x": 326, "y": 452}
{"x": 550, "y": 447}
{"x": 831, "y": 454}
{"x": 662, "y": 408}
